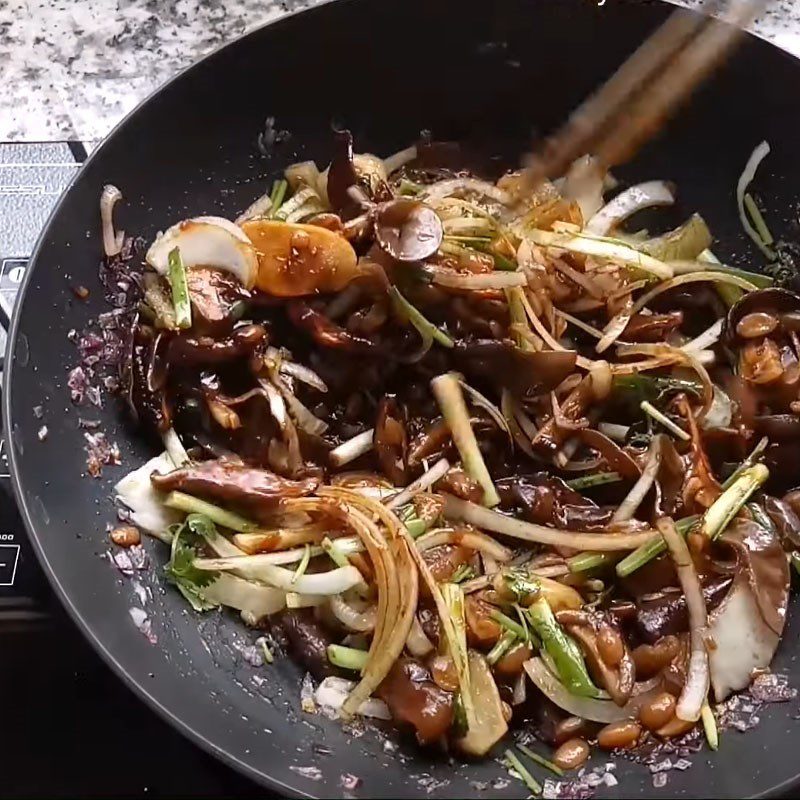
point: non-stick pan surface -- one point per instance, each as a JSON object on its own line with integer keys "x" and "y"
{"x": 385, "y": 68}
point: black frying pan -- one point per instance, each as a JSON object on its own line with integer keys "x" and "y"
{"x": 387, "y": 68}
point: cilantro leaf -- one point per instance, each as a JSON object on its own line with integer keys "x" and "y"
{"x": 202, "y": 526}
{"x": 653, "y": 388}
{"x": 181, "y": 571}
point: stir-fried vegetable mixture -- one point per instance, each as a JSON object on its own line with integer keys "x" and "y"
{"x": 474, "y": 453}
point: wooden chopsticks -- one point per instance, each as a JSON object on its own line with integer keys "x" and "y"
{"x": 631, "y": 107}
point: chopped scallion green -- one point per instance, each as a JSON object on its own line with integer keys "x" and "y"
{"x": 268, "y": 657}
{"x": 664, "y": 420}
{"x": 347, "y": 657}
{"x": 303, "y": 565}
{"x": 753, "y": 458}
{"x": 463, "y": 573}
{"x": 562, "y": 649}
{"x": 583, "y": 562}
{"x": 730, "y": 502}
{"x": 194, "y": 505}
{"x": 409, "y": 188}
{"x": 758, "y": 219}
{"x": 509, "y": 624}
{"x": 414, "y": 524}
{"x": 541, "y": 760}
{"x": 652, "y": 548}
{"x": 710, "y": 726}
{"x": 336, "y": 555}
{"x": 514, "y": 764}
{"x": 427, "y": 330}
{"x": 502, "y": 646}
{"x": 180, "y": 289}
{"x": 276, "y": 196}
{"x": 447, "y": 391}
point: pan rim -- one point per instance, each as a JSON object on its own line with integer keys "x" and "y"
{"x": 139, "y": 688}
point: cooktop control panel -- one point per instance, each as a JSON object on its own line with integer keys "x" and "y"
{"x": 32, "y": 178}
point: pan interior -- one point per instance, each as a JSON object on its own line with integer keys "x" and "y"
{"x": 493, "y": 72}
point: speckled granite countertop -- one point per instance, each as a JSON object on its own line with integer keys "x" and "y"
{"x": 72, "y": 69}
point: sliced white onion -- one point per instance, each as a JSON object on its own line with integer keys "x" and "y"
{"x": 520, "y": 437}
{"x": 583, "y": 183}
{"x": 692, "y": 277}
{"x": 352, "y": 449}
{"x": 277, "y": 406}
{"x": 605, "y": 711}
{"x": 695, "y": 690}
{"x": 628, "y": 507}
{"x": 580, "y": 278}
{"x": 474, "y": 540}
{"x": 395, "y": 577}
{"x": 370, "y": 167}
{"x": 720, "y": 414}
{"x": 452, "y": 186}
{"x": 333, "y": 691}
{"x": 706, "y": 357}
{"x": 291, "y": 556}
{"x": 481, "y": 517}
{"x": 297, "y": 600}
{"x": 705, "y": 339}
{"x": 258, "y": 208}
{"x": 207, "y": 242}
{"x": 552, "y": 343}
{"x": 295, "y": 207}
{"x": 418, "y": 644}
{"x": 112, "y": 242}
{"x": 421, "y": 484}
{"x": 304, "y": 418}
{"x": 616, "y": 325}
{"x": 259, "y": 568}
{"x": 488, "y": 406}
{"x": 520, "y": 692}
{"x": 579, "y": 323}
{"x": 610, "y": 249}
{"x": 174, "y": 447}
{"x": 253, "y": 600}
{"x": 614, "y": 431}
{"x": 303, "y": 374}
{"x": 136, "y": 492}
{"x": 375, "y": 492}
{"x": 303, "y": 173}
{"x": 743, "y": 642}
{"x": 627, "y": 203}
{"x": 745, "y": 179}
{"x": 362, "y": 621}
{"x": 476, "y": 281}
{"x": 399, "y": 159}
{"x": 466, "y": 226}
